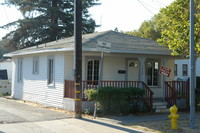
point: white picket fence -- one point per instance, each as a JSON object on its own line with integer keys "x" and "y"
{"x": 5, "y": 86}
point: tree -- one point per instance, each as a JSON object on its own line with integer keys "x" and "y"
{"x": 174, "y": 23}
{"x": 146, "y": 30}
{"x": 45, "y": 21}
{"x": 170, "y": 27}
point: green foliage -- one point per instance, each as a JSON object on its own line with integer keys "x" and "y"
{"x": 114, "y": 100}
{"x": 45, "y": 21}
{"x": 174, "y": 23}
{"x": 91, "y": 94}
{"x": 170, "y": 27}
{"x": 146, "y": 30}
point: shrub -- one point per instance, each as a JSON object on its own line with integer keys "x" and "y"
{"x": 116, "y": 100}
{"x": 91, "y": 94}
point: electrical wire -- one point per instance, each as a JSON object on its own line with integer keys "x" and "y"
{"x": 159, "y": 3}
{"x": 145, "y": 7}
{"x": 6, "y": 14}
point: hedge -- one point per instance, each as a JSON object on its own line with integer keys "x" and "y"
{"x": 114, "y": 100}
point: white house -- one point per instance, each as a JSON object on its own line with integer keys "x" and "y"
{"x": 39, "y": 72}
{"x": 7, "y": 65}
{"x": 5, "y": 76}
{"x": 182, "y": 69}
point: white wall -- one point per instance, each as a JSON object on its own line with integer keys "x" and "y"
{"x": 111, "y": 66}
{"x": 8, "y": 67}
{"x": 179, "y": 68}
{"x": 69, "y": 65}
{"x": 34, "y": 86}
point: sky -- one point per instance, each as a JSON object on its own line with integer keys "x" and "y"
{"x": 126, "y": 15}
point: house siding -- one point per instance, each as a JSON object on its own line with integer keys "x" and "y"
{"x": 69, "y": 65}
{"x": 7, "y": 66}
{"x": 34, "y": 87}
{"x": 111, "y": 66}
{"x": 170, "y": 64}
{"x": 179, "y": 69}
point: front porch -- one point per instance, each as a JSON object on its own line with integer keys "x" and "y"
{"x": 174, "y": 90}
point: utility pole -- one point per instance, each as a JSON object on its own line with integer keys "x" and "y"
{"x": 192, "y": 70}
{"x": 78, "y": 57}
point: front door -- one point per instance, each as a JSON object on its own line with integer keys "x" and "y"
{"x": 133, "y": 70}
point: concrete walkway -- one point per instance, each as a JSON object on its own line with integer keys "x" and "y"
{"x": 18, "y": 117}
{"x": 66, "y": 126}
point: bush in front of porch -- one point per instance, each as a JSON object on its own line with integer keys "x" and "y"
{"x": 115, "y": 100}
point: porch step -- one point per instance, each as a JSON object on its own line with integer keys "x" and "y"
{"x": 160, "y": 106}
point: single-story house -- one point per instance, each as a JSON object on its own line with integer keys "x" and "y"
{"x": 41, "y": 73}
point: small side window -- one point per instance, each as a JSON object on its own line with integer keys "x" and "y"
{"x": 20, "y": 70}
{"x": 175, "y": 69}
{"x": 35, "y": 65}
{"x": 185, "y": 70}
{"x": 50, "y": 76}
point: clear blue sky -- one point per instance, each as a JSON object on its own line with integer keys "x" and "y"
{"x": 126, "y": 15}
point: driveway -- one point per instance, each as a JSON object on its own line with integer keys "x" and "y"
{"x": 12, "y": 111}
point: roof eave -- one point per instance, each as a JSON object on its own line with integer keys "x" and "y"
{"x": 38, "y": 52}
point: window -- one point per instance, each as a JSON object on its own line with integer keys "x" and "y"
{"x": 184, "y": 70}
{"x": 175, "y": 69}
{"x": 50, "y": 73}
{"x": 152, "y": 73}
{"x": 36, "y": 65}
{"x": 20, "y": 72}
{"x": 3, "y": 75}
{"x": 93, "y": 70}
{"x": 133, "y": 64}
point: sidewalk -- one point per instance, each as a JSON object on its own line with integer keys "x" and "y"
{"x": 66, "y": 126}
{"x": 86, "y": 125}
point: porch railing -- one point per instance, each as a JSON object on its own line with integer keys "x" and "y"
{"x": 175, "y": 90}
{"x": 148, "y": 96}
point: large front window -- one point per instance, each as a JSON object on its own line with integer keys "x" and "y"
{"x": 93, "y": 70}
{"x": 152, "y": 73}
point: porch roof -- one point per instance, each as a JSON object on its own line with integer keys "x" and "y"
{"x": 120, "y": 43}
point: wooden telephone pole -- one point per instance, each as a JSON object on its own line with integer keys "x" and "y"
{"x": 78, "y": 57}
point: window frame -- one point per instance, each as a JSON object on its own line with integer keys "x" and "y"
{"x": 153, "y": 76}
{"x": 184, "y": 69}
{"x": 36, "y": 59}
{"x": 20, "y": 70}
{"x": 93, "y": 71}
{"x": 51, "y": 71}
{"x": 175, "y": 69}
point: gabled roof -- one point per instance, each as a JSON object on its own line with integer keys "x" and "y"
{"x": 120, "y": 43}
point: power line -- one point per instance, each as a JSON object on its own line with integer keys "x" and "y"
{"x": 148, "y": 5}
{"x": 6, "y": 14}
{"x": 145, "y": 7}
{"x": 159, "y": 3}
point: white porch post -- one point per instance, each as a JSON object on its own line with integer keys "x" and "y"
{"x": 142, "y": 68}
{"x": 163, "y": 79}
